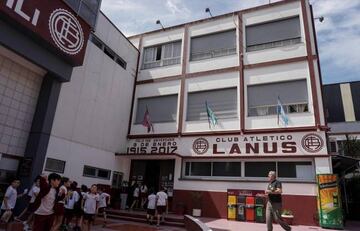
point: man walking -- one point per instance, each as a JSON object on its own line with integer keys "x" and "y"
{"x": 273, "y": 206}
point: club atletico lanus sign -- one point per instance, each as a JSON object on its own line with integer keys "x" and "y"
{"x": 53, "y": 22}
{"x": 277, "y": 144}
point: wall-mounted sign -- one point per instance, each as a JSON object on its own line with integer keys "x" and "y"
{"x": 53, "y": 22}
{"x": 297, "y": 143}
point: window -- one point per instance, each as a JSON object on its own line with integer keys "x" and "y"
{"x": 96, "y": 172}
{"x": 54, "y": 165}
{"x": 161, "y": 109}
{"x": 109, "y": 53}
{"x": 97, "y": 42}
{"x": 341, "y": 146}
{"x": 87, "y": 9}
{"x": 213, "y": 45}
{"x": 227, "y": 169}
{"x": 162, "y": 55}
{"x": 262, "y": 98}
{"x": 117, "y": 179}
{"x": 299, "y": 170}
{"x": 259, "y": 169}
{"x": 223, "y": 102}
{"x": 289, "y": 170}
{"x": 107, "y": 50}
{"x": 273, "y": 34}
{"x": 333, "y": 147}
{"x": 199, "y": 168}
{"x": 215, "y": 169}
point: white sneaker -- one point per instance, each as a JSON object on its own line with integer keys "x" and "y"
{"x": 26, "y": 226}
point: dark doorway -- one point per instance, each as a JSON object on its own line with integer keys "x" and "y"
{"x": 154, "y": 173}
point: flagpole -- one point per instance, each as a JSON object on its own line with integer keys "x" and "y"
{"x": 277, "y": 111}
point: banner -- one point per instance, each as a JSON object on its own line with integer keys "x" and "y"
{"x": 271, "y": 144}
{"x": 329, "y": 202}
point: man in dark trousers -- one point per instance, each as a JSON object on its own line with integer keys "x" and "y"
{"x": 273, "y": 206}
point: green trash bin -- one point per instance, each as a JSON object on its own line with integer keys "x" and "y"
{"x": 260, "y": 209}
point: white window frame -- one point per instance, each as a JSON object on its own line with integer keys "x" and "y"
{"x": 163, "y": 61}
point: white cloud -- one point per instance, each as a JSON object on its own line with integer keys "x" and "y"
{"x": 338, "y": 39}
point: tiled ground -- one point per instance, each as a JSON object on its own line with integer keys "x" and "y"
{"x": 214, "y": 224}
{"x": 225, "y": 225}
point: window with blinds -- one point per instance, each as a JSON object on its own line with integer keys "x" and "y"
{"x": 162, "y": 55}
{"x": 55, "y": 165}
{"x": 273, "y": 34}
{"x": 262, "y": 99}
{"x": 223, "y": 102}
{"x": 161, "y": 109}
{"x": 213, "y": 45}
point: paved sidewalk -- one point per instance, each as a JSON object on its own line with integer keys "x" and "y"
{"x": 225, "y": 225}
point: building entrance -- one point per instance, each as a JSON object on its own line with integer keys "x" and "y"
{"x": 154, "y": 173}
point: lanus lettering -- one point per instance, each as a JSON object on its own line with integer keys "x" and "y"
{"x": 18, "y": 9}
{"x": 256, "y": 148}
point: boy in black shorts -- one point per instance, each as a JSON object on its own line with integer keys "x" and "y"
{"x": 151, "y": 199}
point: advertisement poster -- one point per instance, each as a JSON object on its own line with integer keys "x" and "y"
{"x": 329, "y": 202}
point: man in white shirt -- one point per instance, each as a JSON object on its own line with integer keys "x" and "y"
{"x": 45, "y": 201}
{"x": 161, "y": 202}
{"x": 10, "y": 197}
{"x": 104, "y": 200}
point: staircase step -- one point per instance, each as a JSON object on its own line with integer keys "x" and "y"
{"x": 143, "y": 215}
{"x": 143, "y": 220}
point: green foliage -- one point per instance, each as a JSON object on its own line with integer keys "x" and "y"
{"x": 352, "y": 146}
{"x": 287, "y": 212}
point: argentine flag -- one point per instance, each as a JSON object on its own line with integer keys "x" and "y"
{"x": 281, "y": 113}
{"x": 211, "y": 115}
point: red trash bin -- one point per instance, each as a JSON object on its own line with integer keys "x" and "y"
{"x": 250, "y": 208}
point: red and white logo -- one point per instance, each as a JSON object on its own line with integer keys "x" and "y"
{"x": 66, "y": 31}
{"x": 200, "y": 146}
{"x": 312, "y": 143}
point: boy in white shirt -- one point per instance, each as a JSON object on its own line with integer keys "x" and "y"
{"x": 34, "y": 191}
{"x": 45, "y": 201}
{"x": 143, "y": 194}
{"x": 71, "y": 199}
{"x": 104, "y": 201}
{"x": 151, "y": 207}
{"x": 90, "y": 205}
{"x": 136, "y": 195}
{"x": 10, "y": 197}
{"x": 161, "y": 202}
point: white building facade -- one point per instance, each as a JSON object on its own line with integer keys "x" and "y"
{"x": 92, "y": 113}
{"x": 239, "y": 65}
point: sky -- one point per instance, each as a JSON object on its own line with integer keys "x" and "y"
{"x": 338, "y": 35}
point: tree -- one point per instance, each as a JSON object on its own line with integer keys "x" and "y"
{"x": 352, "y": 146}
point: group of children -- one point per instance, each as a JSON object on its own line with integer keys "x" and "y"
{"x": 156, "y": 202}
{"x": 55, "y": 202}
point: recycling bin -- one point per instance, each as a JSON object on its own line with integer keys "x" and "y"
{"x": 241, "y": 208}
{"x": 250, "y": 208}
{"x": 260, "y": 209}
{"x": 231, "y": 207}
